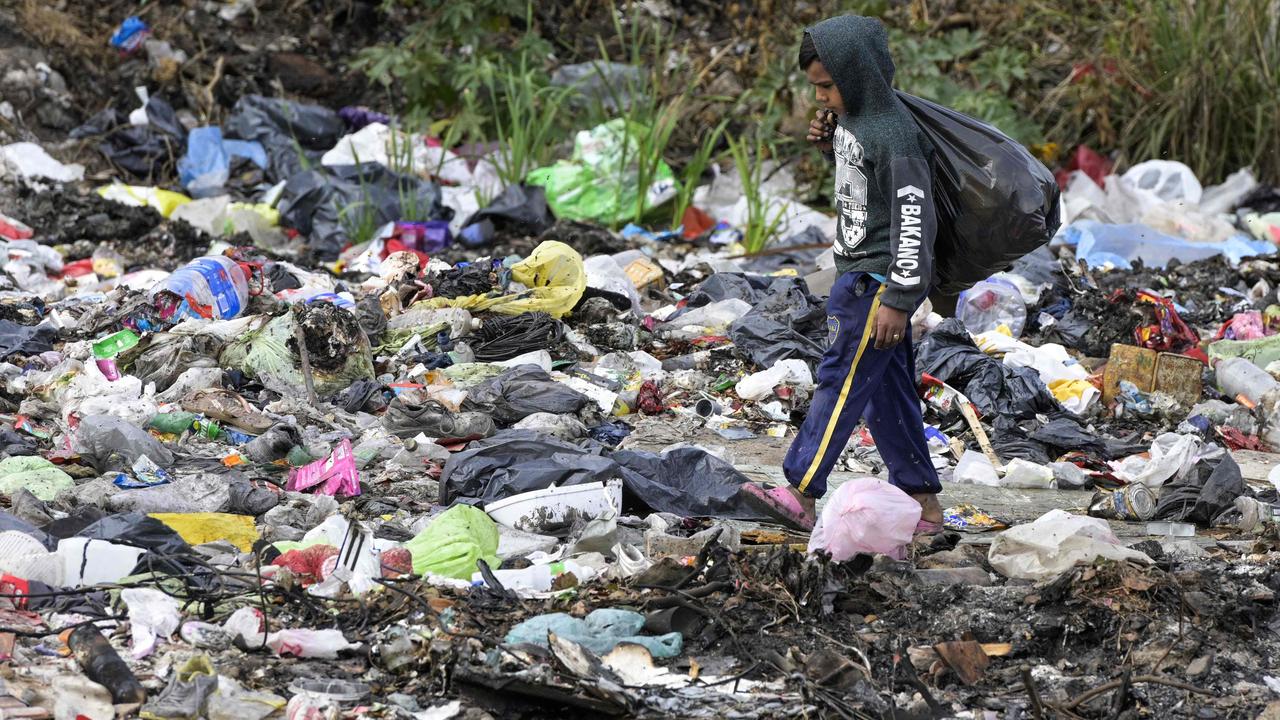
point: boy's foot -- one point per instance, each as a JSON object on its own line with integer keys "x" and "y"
{"x": 930, "y": 514}
{"x": 784, "y": 503}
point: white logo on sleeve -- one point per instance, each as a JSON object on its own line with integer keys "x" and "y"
{"x": 907, "y": 262}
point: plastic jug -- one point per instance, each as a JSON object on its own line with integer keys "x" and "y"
{"x": 212, "y": 286}
{"x": 1238, "y": 377}
{"x": 990, "y": 304}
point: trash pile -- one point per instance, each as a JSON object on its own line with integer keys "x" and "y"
{"x": 306, "y": 416}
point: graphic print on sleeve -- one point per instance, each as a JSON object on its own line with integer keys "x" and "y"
{"x": 851, "y": 191}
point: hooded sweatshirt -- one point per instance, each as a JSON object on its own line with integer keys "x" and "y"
{"x": 884, "y": 187}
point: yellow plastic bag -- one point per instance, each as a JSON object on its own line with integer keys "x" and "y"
{"x": 164, "y": 201}
{"x": 197, "y": 528}
{"x": 554, "y": 274}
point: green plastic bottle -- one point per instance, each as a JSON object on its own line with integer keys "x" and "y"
{"x": 175, "y": 423}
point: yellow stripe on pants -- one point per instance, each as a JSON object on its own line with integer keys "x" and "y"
{"x": 867, "y": 329}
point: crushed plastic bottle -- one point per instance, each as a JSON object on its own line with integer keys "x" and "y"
{"x": 990, "y": 304}
{"x": 212, "y": 286}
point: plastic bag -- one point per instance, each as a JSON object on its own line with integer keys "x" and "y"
{"x": 600, "y": 631}
{"x": 453, "y": 542}
{"x": 866, "y": 515}
{"x": 989, "y": 304}
{"x": 111, "y": 444}
{"x": 759, "y": 386}
{"x": 34, "y": 474}
{"x": 996, "y": 202}
{"x": 1054, "y": 543}
{"x": 285, "y": 129}
{"x": 321, "y": 644}
{"x": 153, "y": 616}
{"x": 1101, "y": 244}
{"x": 976, "y": 469}
{"x": 522, "y": 391}
{"x": 594, "y": 184}
{"x": 554, "y": 274}
{"x": 267, "y": 354}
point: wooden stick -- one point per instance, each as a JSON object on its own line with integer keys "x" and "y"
{"x": 306, "y": 362}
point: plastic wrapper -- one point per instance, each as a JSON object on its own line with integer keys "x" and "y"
{"x": 112, "y": 444}
{"x": 520, "y": 392}
{"x": 554, "y": 275}
{"x": 452, "y": 543}
{"x": 1054, "y": 543}
{"x": 267, "y": 354}
{"x": 996, "y": 202}
{"x": 600, "y": 631}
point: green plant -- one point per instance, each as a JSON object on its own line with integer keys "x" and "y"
{"x": 693, "y": 170}
{"x": 436, "y": 59}
{"x": 761, "y": 227}
{"x": 525, "y": 117}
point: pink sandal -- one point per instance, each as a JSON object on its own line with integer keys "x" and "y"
{"x": 780, "y": 503}
{"x": 929, "y": 527}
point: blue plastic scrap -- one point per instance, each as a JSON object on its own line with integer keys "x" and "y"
{"x": 129, "y": 36}
{"x": 600, "y": 631}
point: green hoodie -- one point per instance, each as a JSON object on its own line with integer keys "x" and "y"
{"x": 884, "y": 187}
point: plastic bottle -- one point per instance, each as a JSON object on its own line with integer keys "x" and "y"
{"x": 212, "y": 286}
{"x": 103, "y": 665}
{"x": 990, "y": 304}
{"x": 1238, "y": 377}
{"x": 174, "y": 423}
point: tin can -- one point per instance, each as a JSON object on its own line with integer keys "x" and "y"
{"x": 1132, "y": 502}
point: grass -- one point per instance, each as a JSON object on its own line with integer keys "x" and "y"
{"x": 526, "y": 118}
{"x": 761, "y": 227}
{"x": 691, "y": 175}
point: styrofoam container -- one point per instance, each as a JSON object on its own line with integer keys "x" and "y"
{"x": 542, "y": 510}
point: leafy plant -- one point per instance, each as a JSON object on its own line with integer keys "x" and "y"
{"x": 691, "y": 176}
{"x": 761, "y": 227}
{"x": 525, "y": 117}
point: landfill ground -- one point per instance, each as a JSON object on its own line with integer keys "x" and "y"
{"x": 305, "y": 416}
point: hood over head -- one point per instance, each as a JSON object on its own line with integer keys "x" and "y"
{"x": 855, "y": 50}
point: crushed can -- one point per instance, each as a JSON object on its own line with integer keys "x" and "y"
{"x": 1132, "y": 502}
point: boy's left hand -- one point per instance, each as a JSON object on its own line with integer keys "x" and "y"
{"x": 890, "y": 327}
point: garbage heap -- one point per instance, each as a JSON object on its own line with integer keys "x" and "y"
{"x": 324, "y": 420}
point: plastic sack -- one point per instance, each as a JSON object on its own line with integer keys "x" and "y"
{"x": 600, "y": 631}
{"x": 992, "y": 303}
{"x": 595, "y": 185}
{"x": 520, "y": 392}
{"x": 996, "y": 202}
{"x": 1171, "y": 457}
{"x": 29, "y": 161}
{"x": 554, "y": 274}
{"x": 33, "y": 474}
{"x": 975, "y": 468}
{"x": 866, "y": 515}
{"x": 1164, "y": 181}
{"x": 111, "y": 444}
{"x": 712, "y": 319}
{"x": 200, "y": 528}
{"x": 293, "y": 134}
{"x": 453, "y": 542}
{"x": 1054, "y": 543}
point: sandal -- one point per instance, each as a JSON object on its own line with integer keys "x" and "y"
{"x": 226, "y": 406}
{"x": 929, "y": 527}
{"x": 781, "y": 503}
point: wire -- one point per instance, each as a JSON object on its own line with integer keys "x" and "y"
{"x": 505, "y": 337}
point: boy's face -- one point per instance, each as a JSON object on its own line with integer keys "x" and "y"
{"x": 824, "y": 88}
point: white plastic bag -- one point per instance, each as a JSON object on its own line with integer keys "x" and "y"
{"x": 1054, "y": 543}
{"x": 758, "y": 386}
{"x": 323, "y": 644}
{"x": 975, "y": 469}
{"x": 1020, "y": 473}
{"x": 866, "y": 515}
{"x": 1172, "y": 455}
{"x": 152, "y": 616}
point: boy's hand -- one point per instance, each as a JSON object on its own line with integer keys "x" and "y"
{"x": 890, "y": 327}
{"x": 820, "y": 131}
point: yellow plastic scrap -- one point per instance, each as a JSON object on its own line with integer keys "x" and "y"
{"x": 198, "y": 528}
{"x": 554, "y": 274}
{"x": 164, "y": 201}
{"x": 1065, "y": 390}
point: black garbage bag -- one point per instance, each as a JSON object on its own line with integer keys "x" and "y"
{"x": 328, "y": 207}
{"x": 996, "y": 202}
{"x": 520, "y": 392}
{"x": 998, "y": 391}
{"x": 147, "y": 151}
{"x": 520, "y": 209}
{"x": 785, "y": 321}
{"x": 25, "y": 339}
{"x": 687, "y": 481}
{"x": 289, "y": 131}
{"x": 1210, "y": 488}
{"x": 1064, "y": 433}
{"x": 1011, "y": 442}
{"x": 799, "y": 252}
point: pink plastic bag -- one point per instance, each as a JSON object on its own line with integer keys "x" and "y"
{"x": 337, "y": 472}
{"x": 866, "y": 515}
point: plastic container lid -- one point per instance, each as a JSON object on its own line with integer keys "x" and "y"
{"x": 336, "y": 690}
{"x": 114, "y": 344}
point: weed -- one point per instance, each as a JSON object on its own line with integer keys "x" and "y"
{"x": 526, "y": 118}
{"x": 691, "y": 176}
{"x": 761, "y": 227}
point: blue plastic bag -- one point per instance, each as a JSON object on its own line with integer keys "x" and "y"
{"x": 207, "y": 165}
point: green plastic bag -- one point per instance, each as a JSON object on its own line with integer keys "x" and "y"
{"x": 39, "y": 476}
{"x": 267, "y": 354}
{"x": 595, "y": 184}
{"x": 1261, "y": 352}
{"x": 453, "y": 542}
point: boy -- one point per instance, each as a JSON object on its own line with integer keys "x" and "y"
{"x": 884, "y": 253}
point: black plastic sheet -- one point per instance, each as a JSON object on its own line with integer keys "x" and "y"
{"x": 328, "y": 207}
{"x": 289, "y": 131}
{"x": 519, "y": 209}
{"x": 522, "y": 391}
{"x": 996, "y": 202}
{"x": 25, "y": 339}
{"x": 1210, "y": 488}
{"x": 998, "y": 391}
{"x": 686, "y": 481}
